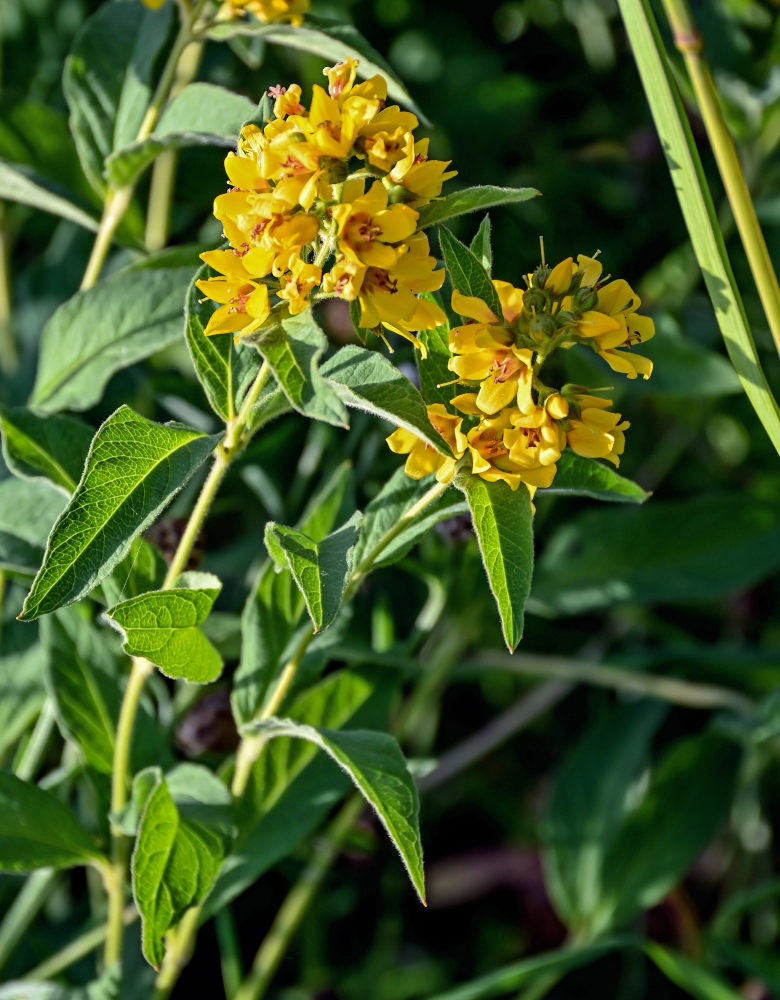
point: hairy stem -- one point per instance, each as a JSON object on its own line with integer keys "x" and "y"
{"x": 237, "y": 434}
{"x": 118, "y": 199}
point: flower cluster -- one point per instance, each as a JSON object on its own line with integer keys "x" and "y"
{"x": 324, "y": 202}
{"x": 290, "y": 11}
{"x": 511, "y": 425}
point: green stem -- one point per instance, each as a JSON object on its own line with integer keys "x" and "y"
{"x": 236, "y": 436}
{"x": 689, "y": 43}
{"x": 158, "y": 211}
{"x": 297, "y": 902}
{"x": 36, "y": 746}
{"x": 21, "y": 913}
{"x": 9, "y": 355}
{"x": 118, "y": 199}
{"x": 76, "y": 950}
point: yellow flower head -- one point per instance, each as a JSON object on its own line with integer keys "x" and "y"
{"x": 423, "y": 458}
{"x": 295, "y": 210}
{"x": 594, "y": 431}
{"x": 267, "y": 11}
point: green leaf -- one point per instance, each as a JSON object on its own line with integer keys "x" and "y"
{"x": 321, "y": 569}
{"x": 293, "y": 346}
{"x": 467, "y": 272}
{"x": 531, "y": 970}
{"x": 38, "y": 831}
{"x": 83, "y": 684}
{"x": 504, "y": 526}
{"x": 86, "y": 685}
{"x": 133, "y": 469}
{"x": 472, "y": 199}
{"x": 107, "y": 987}
{"x": 142, "y": 569}
{"x": 223, "y": 368}
{"x": 396, "y": 498}
{"x": 20, "y": 183}
{"x": 108, "y": 79}
{"x": 292, "y": 786}
{"x": 690, "y": 550}
{"x": 481, "y": 246}
{"x": 378, "y": 770}
{"x": 127, "y": 316}
{"x": 201, "y": 115}
{"x": 28, "y": 509}
{"x": 688, "y": 799}
{"x": 52, "y": 447}
{"x": 692, "y": 977}
{"x": 333, "y": 42}
{"x": 22, "y": 691}
{"x": 589, "y": 803}
{"x": 367, "y": 381}
{"x": 437, "y": 381}
{"x": 275, "y": 605}
{"x": 163, "y": 627}
{"x": 696, "y": 204}
{"x": 177, "y": 853}
{"x": 586, "y": 477}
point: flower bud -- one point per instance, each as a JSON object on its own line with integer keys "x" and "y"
{"x": 586, "y": 299}
{"x": 543, "y": 324}
{"x": 534, "y": 300}
{"x": 540, "y": 275}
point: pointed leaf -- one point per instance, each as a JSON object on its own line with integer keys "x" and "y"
{"x": 367, "y": 381}
{"x": 577, "y": 476}
{"x": 466, "y": 271}
{"x": 124, "y": 318}
{"x": 504, "y": 526}
{"x": 472, "y": 199}
{"x": 28, "y": 509}
{"x": 223, "y": 368}
{"x": 163, "y": 627}
{"x": 481, "y": 246}
{"x": 334, "y": 42}
{"x": 133, "y": 469}
{"x": 52, "y": 448}
{"x": 293, "y": 346}
{"x": 320, "y": 569}
{"x": 19, "y": 182}
{"x": 396, "y": 497}
{"x": 38, "y": 831}
{"x": 201, "y": 115}
{"x": 108, "y": 79}
{"x": 695, "y": 979}
{"x": 377, "y": 767}
{"x": 177, "y": 857}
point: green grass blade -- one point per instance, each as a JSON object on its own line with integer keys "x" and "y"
{"x": 696, "y": 204}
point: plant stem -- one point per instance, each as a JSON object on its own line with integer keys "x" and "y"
{"x": 164, "y": 170}
{"x": 679, "y": 692}
{"x": 76, "y": 950}
{"x": 297, "y": 902}
{"x": 118, "y": 199}
{"x": 36, "y": 890}
{"x": 689, "y": 43}
{"x": 236, "y": 436}
{"x": 9, "y": 355}
{"x": 36, "y": 746}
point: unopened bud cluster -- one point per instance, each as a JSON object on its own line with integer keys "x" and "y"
{"x": 324, "y": 202}
{"x": 519, "y": 425}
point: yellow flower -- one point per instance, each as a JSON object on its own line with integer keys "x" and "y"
{"x": 424, "y": 458}
{"x": 485, "y": 351}
{"x": 366, "y": 226}
{"x": 595, "y": 431}
{"x": 535, "y": 439}
{"x": 301, "y": 281}
{"x": 245, "y": 305}
{"x": 491, "y": 459}
{"x": 419, "y": 175}
{"x": 270, "y": 10}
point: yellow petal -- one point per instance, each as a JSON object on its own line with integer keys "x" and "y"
{"x": 474, "y": 308}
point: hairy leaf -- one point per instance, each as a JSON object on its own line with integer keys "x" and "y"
{"x": 367, "y": 381}
{"x": 577, "y": 476}
{"x": 472, "y": 199}
{"x": 503, "y": 523}
{"x": 377, "y": 767}
{"x": 320, "y": 569}
{"x": 163, "y": 627}
{"x": 133, "y": 469}
{"x": 123, "y": 319}
{"x": 52, "y": 447}
{"x": 466, "y": 271}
